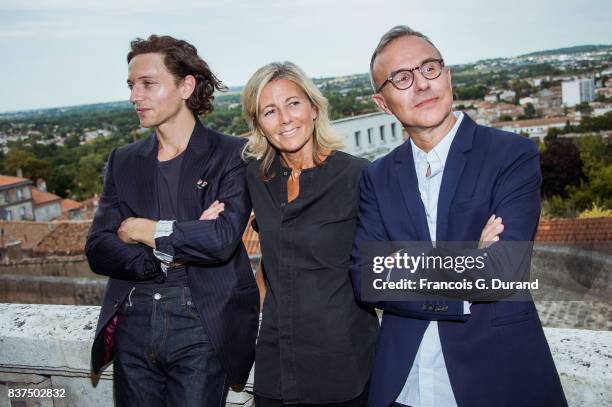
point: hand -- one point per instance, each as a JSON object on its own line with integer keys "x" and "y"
{"x": 213, "y": 211}
{"x": 124, "y": 232}
{"x": 137, "y": 230}
{"x": 490, "y": 233}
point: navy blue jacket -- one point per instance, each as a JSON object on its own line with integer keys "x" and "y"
{"x": 218, "y": 269}
{"x": 498, "y": 355}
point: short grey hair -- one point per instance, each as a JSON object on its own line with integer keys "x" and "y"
{"x": 396, "y": 32}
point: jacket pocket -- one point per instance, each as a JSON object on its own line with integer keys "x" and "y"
{"x": 512, "y": 312}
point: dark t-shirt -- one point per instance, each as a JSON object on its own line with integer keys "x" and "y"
{"x": 315, "y": 345}
{"x": 168, "y": 175}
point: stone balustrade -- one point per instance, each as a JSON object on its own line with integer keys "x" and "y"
{"x": 48, "y": 347}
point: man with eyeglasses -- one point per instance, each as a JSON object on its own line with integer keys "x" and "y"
{"x": 451, "y": 179}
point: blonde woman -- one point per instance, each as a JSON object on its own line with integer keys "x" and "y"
{"x": 315, "y": 345}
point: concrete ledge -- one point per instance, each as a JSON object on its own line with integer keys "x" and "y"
{"x": 47, "y": 346}
{"x": 584, "y": 362}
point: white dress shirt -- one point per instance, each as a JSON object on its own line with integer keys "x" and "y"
{"x": 428, "y": 384}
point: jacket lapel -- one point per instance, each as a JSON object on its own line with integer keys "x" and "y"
{"x": 455, "y": 163}
{"x": 407, "y": 182}
{"x": 194, "y": 172}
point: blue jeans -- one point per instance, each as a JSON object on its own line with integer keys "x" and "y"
{"x": 163, "y": 356}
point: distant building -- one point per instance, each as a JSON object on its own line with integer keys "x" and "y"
{"x": 89, "y": 207}
{"x": 15, "y": 198}
{"x": 71, "y": 210}
{"x": 507, "y": 95}
{"x": 491, "y": 97}
{"x": 47, "y": 206}
{"x": 536, "y": 82}
{"x": 578, "y": 91}
{"x": 535, "y": 128}
{"x": 528, "y": 99}
{"x": 370, "y": 135}
{"x": 549, "y": 98}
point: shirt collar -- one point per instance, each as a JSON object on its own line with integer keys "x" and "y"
{"x": 440, "y": 151}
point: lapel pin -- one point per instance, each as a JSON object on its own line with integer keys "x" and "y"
{"x": 201, "y": 183}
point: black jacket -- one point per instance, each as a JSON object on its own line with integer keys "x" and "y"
{"x": 218, "y": 269}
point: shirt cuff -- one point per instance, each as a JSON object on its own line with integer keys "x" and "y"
{"x": 163, "y": 257}
{"x": 163, "y": 228}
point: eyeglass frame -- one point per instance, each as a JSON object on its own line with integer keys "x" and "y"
{"x": 390, "y": 78}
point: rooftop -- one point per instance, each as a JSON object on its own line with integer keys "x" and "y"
{"x": 28, "y": 232}
{"x": 70, "y": 204}
{"x": 358, "y": 117}
{"x": 43, "y": 197}
{"x": 6, "y": 180}
{"x": 532, "y": 122}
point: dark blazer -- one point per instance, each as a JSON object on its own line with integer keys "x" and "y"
{"x": 498, "y": 355}
{"x": 218, "y": 269}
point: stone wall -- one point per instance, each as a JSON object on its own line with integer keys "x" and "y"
{"x": 56, "y": 280}
{"x": 48, "y": 347}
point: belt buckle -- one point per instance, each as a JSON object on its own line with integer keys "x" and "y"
{"x": 174, "y": 265}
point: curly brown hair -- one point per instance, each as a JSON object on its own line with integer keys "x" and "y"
{"x": 182, "y": 59}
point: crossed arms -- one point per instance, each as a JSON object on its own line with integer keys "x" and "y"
{"x": 121, "y": 246}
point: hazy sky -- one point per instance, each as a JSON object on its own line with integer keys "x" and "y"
{"x": 68, "y": 52}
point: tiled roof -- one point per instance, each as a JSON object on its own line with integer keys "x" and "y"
{"x": 42, "y": 197}
{"x": 575, "y": 230}
{"x": 8, "y": 180}
{"x": 91, "y": 202}
{"x": 69, "y": 204}
{"x": 29, "y": 233}
{"x": 68, "y": 238}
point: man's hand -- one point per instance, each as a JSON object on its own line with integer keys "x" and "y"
{"x": 490, "y": 233}
{"x": 213, "y": 211}
{"x": 137, "y": 230}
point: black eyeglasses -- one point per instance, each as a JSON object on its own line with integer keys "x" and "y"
{"x": 404, "y": 78}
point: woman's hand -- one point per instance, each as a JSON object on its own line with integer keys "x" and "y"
{"x": 490, "y": 233}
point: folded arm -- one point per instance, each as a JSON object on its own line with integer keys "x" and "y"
{"x": 214, "y": 240}
{"x": 106, "y": 253}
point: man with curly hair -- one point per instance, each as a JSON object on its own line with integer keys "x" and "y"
{"x": 180, "y": 312}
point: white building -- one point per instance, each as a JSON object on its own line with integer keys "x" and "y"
{"x": 370, "y": 135}
{"x": 507, "y": 95}
{"x": 47, "y": 206}
{"x": 491, "y": 97}
{"x": 600, "y": 109}
{"x": 578, "y": 91}
{"x": 15, "y": 198}
{"x": 535, "y": 128}
{"x": 528, "y": 99}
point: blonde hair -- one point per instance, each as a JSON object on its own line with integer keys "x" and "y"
{"x": 258, "y": 147}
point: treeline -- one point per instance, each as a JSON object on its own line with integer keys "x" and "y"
{"x": 577, "y": 172}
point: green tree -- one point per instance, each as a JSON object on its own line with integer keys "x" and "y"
{"x": 584, "y": 108}
{"x": 530, "y": 111}
{"x": 596, "y": 188}
{"x": 561, "y": 167}
{"x": 32, "y": 167}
